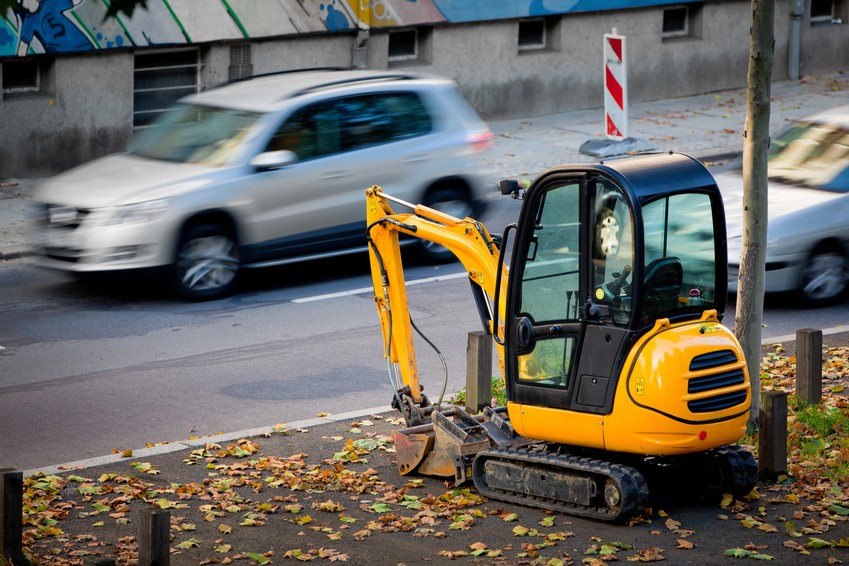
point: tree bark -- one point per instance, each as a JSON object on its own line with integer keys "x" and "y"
{"x": 750, "y": 283}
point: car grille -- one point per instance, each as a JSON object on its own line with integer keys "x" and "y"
{"x": 63, "y": 217}
{"x": 69, "y": 255}
{"x": 717, "y": 380}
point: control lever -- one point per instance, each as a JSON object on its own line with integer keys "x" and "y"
{"x": 595, "y": 311}
{"x": 607, "y": 293}
{"x": 620, "y": 279}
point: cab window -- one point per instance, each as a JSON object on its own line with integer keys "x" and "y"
{"x": 550, "y": 285}
{"x": 551, "y": 278}
{"x": 680, "y": 256}
{"x": 612, "y": 250}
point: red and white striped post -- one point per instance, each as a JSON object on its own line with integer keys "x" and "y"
{"x": 615, "y": 87}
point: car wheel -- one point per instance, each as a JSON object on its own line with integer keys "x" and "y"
{"x": 824, "y": 276}
{"x": 458, "y": 204}
{"x": 608, "y": 233}
{"x": 207, "y": 262}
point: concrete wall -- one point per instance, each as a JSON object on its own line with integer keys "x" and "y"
{"x": 825, "y": 46}
{"x": 86, "y": 109}
{"x": 501, "y": 81}
{"x": 269, "y": 56}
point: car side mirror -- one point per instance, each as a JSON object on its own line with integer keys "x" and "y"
{"x": 270, "y": 160}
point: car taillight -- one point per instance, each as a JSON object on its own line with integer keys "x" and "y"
{"x": 480, "y": 141}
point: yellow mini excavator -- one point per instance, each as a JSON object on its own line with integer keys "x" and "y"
{"x": 618, "y": 371}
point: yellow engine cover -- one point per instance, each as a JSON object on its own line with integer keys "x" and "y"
{"x": 683, "y": 388}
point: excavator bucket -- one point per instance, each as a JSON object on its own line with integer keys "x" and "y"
{"x": 412, "y": 445}
{"x": 446, "y": 445}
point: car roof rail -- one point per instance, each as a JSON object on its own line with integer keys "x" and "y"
{"x": 286, "y": 72}
{"x": 352, "y": 80}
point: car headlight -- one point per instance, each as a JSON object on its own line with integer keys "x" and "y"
{"x": 137, "y": 212}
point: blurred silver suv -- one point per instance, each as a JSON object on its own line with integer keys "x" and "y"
{"x": 266, "y": 171}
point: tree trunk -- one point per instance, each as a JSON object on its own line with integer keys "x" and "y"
{"x": 750, "y": 284}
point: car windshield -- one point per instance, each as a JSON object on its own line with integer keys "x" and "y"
{"x": 190, "y": 133}
{"x": 812, "y": 155}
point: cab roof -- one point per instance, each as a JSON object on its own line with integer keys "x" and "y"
{"x": 653, "y": 174}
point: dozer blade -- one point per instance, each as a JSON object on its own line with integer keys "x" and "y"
{"x": 453, "y": 437}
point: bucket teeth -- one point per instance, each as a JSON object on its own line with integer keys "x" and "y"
{"x": 411, "y": 449}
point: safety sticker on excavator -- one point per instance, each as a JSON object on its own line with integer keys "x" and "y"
{"x": 710, "y": 327}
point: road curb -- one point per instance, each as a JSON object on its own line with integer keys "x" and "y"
{"x": 189, "y": 444}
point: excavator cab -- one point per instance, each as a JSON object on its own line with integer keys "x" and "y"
{"x": 602, "y": 252}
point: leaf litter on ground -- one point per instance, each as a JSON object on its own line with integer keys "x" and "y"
{"x": 66, "y": 517}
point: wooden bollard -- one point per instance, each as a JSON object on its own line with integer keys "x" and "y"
{"x": 478, "y": 371}
{"x": 809, "y": 365}
{"x": 772, "y": 438}
{"x": 154, "y": 538}
{"x": 11, "y": 515}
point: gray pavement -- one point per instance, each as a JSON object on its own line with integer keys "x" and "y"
{"x": 708, "y": 127}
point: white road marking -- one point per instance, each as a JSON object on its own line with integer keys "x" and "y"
{"x": 362, "y": 290}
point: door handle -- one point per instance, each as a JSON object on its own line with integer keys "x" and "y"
{"x": 524, "y": 332}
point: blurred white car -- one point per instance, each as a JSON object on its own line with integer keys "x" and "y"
{"x": 266, "y": 171}
{"x": 808, "y": 210}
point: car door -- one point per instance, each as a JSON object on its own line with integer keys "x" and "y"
{"x": 316, "y": 205}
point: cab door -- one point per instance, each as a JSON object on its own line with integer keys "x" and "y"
{"x": 567, "y": 324}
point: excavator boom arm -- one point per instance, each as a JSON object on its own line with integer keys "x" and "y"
{"x": 466, "y": 238}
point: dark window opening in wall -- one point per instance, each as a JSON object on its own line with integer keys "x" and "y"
{"x": 21, "y": 75}
{"x": 403, "y": 45}
{"x": 824, "y": 11}
{"x": 159, "y": 80}
{"x": 532, "y": 34}
{"x": 240, "y": 62}
{"x": 682, "y": 22}
{"x": 675, "y": 21}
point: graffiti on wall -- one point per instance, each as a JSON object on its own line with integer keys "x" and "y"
{"x": 29, "y": 27}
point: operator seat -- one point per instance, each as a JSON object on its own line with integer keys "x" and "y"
{"x": 663, "y": 280}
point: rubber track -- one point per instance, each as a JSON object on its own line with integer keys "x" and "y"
{"x": 631, "y": 484}
{"x": 743, "y": 468}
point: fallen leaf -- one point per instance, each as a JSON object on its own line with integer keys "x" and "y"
{"x": 190, "y": 543}
{"x": 258, "y": 558}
